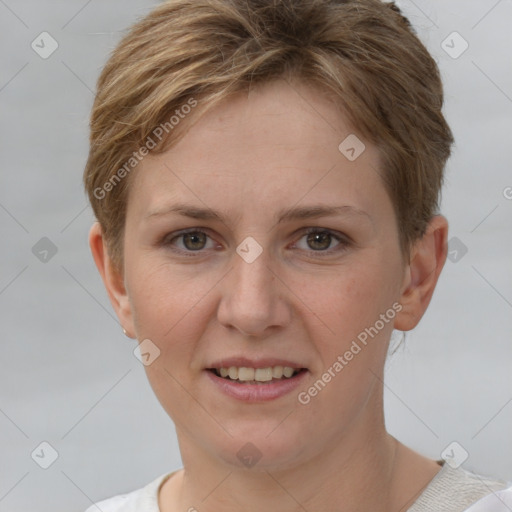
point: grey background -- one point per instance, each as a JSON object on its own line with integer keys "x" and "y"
{"x": 69, "y": 377}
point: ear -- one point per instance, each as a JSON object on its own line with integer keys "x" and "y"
{"x": 421, "y": 274}
{"x": 112, "y": 279}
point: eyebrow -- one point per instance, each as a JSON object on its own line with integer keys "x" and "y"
{"x": 286, "y": 214}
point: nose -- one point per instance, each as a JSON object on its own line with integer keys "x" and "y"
{"x": 253, "y": 298}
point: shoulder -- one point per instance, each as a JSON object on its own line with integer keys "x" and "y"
{"x": 119, "y": 503}
{"x": 145, "y": 498}
{"x": 459, "y": 490}
{"x": 497, "y": 501}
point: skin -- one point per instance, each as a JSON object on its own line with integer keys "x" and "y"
{"x": 274, "y": 148}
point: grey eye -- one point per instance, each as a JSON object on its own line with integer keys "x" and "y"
{"x": 319, "y": 240}
{"x": 194, "y": 241}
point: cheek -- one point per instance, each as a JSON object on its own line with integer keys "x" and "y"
{"x": 352, "y": 347}
{"x": 167, "y": 303}
{"x": 168, "y": 308}
{"x": 350, "y": 303}
{"x": 172, "y": 305}
{"x": 352, "y": 297}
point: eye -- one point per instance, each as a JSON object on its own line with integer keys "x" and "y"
{"x": 196, "y": 240}
{"x": 321, "y": 240}
{"x": 192, "y": 240}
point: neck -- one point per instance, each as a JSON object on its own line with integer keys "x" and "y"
{"x": 360, "y": 471}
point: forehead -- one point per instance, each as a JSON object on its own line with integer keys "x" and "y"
{"x": 277, "y": 145}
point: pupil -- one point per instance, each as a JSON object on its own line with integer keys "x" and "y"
{"x": 196, "y": 238}
{"x": 196, "y": 241}
{"x": 314, "y": 238}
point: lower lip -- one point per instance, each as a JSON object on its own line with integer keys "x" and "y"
{"x": 257, "y": 392}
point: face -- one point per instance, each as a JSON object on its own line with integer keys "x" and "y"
{"x": 255, "y": 242}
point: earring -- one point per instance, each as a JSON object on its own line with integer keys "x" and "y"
{"x": 125, "y": 333}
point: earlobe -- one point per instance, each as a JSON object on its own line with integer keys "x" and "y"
{"x": 427, "y": 260}
{"x": 112, "y": 279}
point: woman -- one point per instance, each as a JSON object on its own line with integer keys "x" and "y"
{"x": 265, "y": 176}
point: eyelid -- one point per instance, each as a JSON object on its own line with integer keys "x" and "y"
{"x": 343, "y": 240}
{"x": 168, "y": 238}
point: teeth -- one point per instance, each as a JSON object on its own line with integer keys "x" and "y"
{"x": 245, "y": 374}
{"x": 277, "y": 372}
{"x": 287, "y": 371}
{"x": 263, "y": 374}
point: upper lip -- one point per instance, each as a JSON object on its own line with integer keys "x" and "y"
{"x": 245, "y": 362}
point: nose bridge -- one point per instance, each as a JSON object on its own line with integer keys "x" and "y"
{"x": 252, "y": 279}
{"x": 250, "y": 300}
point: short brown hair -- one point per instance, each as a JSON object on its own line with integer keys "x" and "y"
{"x": 364, "y": 52}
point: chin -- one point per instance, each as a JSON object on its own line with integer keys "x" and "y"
{"x": 262, "y": 446}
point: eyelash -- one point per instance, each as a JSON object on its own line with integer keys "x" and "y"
{"x": 343, "y": 244}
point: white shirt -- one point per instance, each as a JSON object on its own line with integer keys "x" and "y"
{"x": 451, "y": 490}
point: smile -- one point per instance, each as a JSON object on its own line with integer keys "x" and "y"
{"x": 252, "y": 385}
{"x": 256, "y": 375}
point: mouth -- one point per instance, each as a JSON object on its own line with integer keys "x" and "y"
{"x": 248, "y": 375}
{"x": 248, "y": 384}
